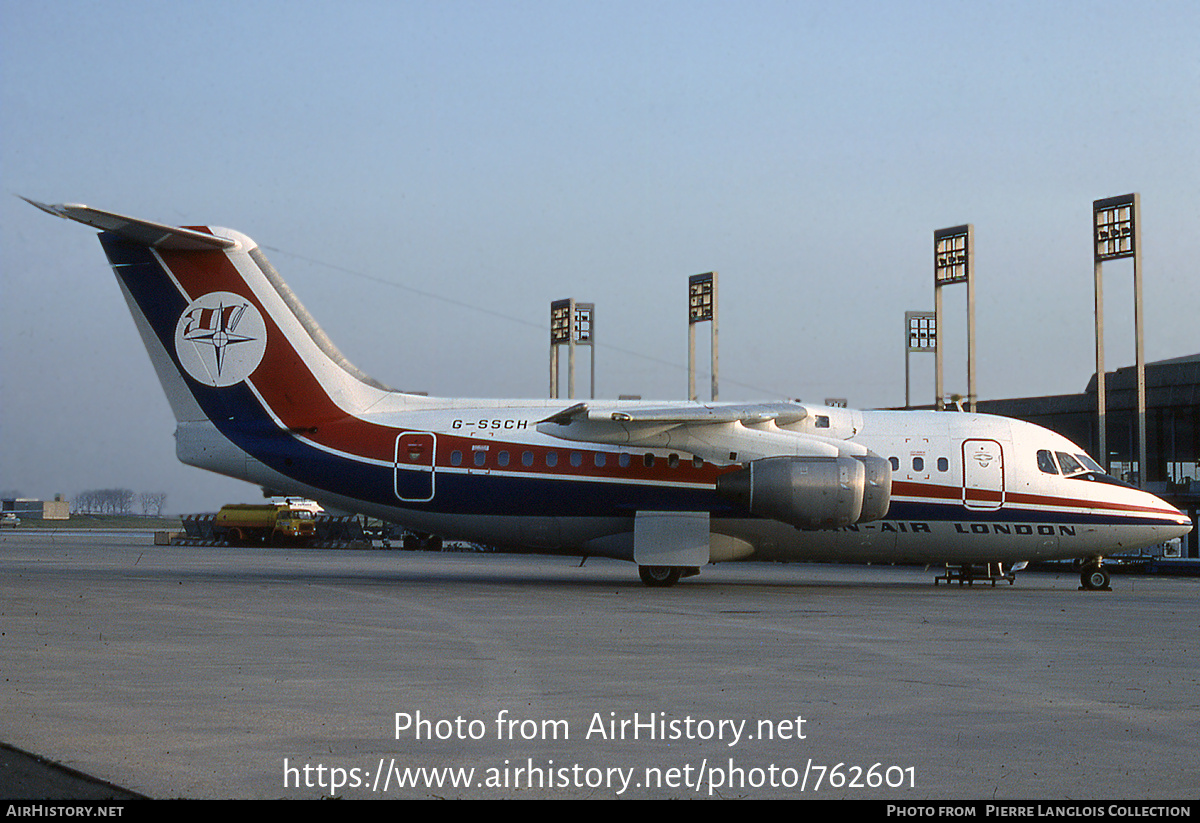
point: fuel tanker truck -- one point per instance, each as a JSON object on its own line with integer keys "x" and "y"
{"x": 267, "y": 523}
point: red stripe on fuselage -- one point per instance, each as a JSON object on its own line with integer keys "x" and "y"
{"x": 1013, "y": 499}
{"x": 295, "y": 396}
{"x": 297, "y": 399}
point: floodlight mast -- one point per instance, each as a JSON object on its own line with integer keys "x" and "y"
{"x": 571, "y": 324}
{"x": 920, "y": 329}
{"x": 561, "y": 314}
{"x": 954, "y": 262}
{"x": 583, "y": 333}
{"x": 702, "y": 308}
{"x": 1117, "y": 235}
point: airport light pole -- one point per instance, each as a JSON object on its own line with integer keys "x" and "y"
{"x": 1117, "y": 235}
{"x": 561, "y": 312}
{"x": 571, "y": 324}
{"x": 954, "y": 262}
{"x": 583, "y": 333}
{"x": 921, "y": 336}
{"x": 702, "y": 308}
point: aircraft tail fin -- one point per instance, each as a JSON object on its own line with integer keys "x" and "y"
{"x": 232, "y": 345}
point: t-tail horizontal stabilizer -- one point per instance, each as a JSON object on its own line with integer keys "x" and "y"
{"x": 158, "y": 235}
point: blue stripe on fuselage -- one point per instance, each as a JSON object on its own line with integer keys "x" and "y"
{"x": 239, "y": 415}
{"x": 906, "y": 511}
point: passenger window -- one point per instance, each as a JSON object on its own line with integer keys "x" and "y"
{"x": 918, "y": 464}
{"x": 527, "y": 459}
{"x": 600, "y": 460}
{"x": 480, "y": 458}
{"x": 697, "y": 463}
{"x": 1046, "y": 462}
{"x": 943, "y": 464}
{"x": 673, "y": 461}
{"x": 648, "y": 460}
{"x": 576, "y": 459}
{"x": 551, "y": 459}
{"x": 895, "y": 461}
{"x": 623, "y": 460}
{"x": 455, "y": 458}
{"x": 502, "y": 459}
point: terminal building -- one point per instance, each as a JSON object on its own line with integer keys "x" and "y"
{"x": 1172, "y": 429}
{"x": 26, "y": 507}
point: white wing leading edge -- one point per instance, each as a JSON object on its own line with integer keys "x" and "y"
{"x": 786, "y": 473}
{"x": 733, "y": 433}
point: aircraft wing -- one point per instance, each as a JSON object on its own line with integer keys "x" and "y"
{"x": 679, "y": 415}
{"x": 747, "y": 414}
{"x": 157, "y": 235}
{"x": 726, "y": 433}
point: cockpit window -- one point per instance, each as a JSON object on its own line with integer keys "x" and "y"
{"x": 1046, "y": 462}
{"x": 1069, "y": 464}
{"x": 1090, "y": 463}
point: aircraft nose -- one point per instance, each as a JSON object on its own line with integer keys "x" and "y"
{"x": 1175, "y": 523}
{"x": 1184, "y": 527}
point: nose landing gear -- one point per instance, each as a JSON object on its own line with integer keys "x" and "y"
{"x": 1094, "y": 577}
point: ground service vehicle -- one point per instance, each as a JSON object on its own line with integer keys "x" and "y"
{"x": 269, "y": 523}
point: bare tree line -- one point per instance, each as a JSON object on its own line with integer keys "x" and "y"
{"x": 118, "y": 501}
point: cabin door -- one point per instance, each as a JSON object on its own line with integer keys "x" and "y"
{"x": 983, "y": 474}
{"x": 415, "y": 453}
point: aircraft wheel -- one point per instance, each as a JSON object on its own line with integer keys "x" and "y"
{"x": 660, "y": 576}
{"x": 1095, "y": 578}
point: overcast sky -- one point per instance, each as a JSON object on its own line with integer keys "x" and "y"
{"x": 428, "y": 176}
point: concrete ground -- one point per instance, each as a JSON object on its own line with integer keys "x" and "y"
{"x": 180, "y": 672}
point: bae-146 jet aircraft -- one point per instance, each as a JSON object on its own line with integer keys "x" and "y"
{"x": 261, "y": 394}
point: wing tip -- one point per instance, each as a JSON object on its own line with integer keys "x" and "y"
{"x": 567, "y": 416}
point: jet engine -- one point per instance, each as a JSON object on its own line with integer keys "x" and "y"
{"x": 813, "y": 492}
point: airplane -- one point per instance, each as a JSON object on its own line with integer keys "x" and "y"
{"x": 260, "y": 393}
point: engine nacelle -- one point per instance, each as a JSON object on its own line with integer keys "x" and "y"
{"x": 877, "y": 496}
{"x": 813, "y": 492}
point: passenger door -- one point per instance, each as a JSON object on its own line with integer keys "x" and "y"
{"x": 983, "y": 474}
{"x": 414, "y": 466}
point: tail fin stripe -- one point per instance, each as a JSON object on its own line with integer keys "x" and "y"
{"x": 164, "y": 284}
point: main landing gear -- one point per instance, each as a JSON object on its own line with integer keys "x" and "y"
{"x": 663, "y": 576}
{"x": 1094, "y": 577}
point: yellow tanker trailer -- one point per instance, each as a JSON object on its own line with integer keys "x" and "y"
{"x": 271, "y": 523}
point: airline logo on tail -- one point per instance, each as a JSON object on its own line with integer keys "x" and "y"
{"x": 220, "y": 339}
